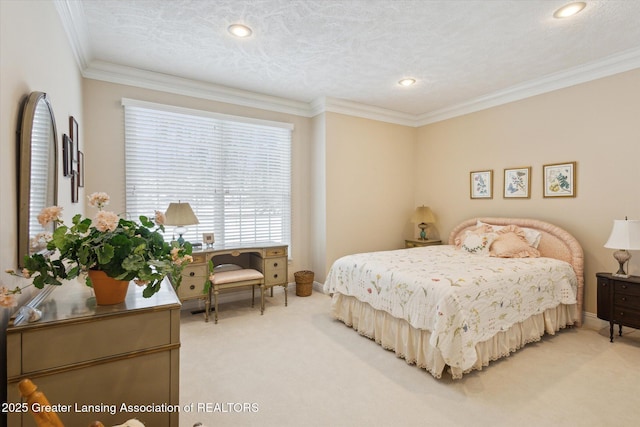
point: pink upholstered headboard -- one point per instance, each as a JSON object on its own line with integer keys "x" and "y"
{"x": 554, "y": 243}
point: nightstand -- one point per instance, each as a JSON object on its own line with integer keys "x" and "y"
{"x": 619, "y": 301}
{"x": 416, "y": 243}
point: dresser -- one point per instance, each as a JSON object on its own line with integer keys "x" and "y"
{"x": 90, "y": 360}
{"x": 271, "y": 259}
{"x": 618, "y": 301}
{"x": 416, "y": 243}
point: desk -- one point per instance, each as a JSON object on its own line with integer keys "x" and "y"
{"x": 268, "y": 258}
{"x": 79, "y": 354}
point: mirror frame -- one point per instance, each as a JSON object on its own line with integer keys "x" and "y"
{"x": 25, "y": 135}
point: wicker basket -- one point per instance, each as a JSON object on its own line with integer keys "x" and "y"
{"x": 304, "y": 283}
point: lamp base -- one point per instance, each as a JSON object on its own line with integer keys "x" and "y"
{"x": 622, "y": 256}
{"x": 423, "y": 231}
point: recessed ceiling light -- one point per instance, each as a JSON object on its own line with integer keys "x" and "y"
{"x": 240, "y": 30}
{"x": 569, "y": 9}
{"x": 407, "y": 82}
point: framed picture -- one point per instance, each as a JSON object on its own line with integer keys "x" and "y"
{"x": 80, "y": 169}
{"x": 67, "y": 155}
{"x": 482, "y": 184}
{"x": 74, "y": 134}
{"x": 559, "y": 180}
{"x": 517, "y": 182}
{"x": 208, "y": 239}
{"x": 74, "y": 187}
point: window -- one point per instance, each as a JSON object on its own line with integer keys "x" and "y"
{"x": 234, "y": 172}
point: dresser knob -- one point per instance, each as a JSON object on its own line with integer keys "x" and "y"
{"x": 192, "y": 274}
{"x": 275, "y": 264}
{"x": 623, "y": 298}
{"x": 275, "y": 276}
{"x": 624, "y": 286}
{"x": 192, "y": 287}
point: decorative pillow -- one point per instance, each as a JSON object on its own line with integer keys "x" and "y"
{"x": 532, "y": 236}
{"x": 510, "y": 244}
{"x": 485, "y": 228}
{"x": 478, "y": 242}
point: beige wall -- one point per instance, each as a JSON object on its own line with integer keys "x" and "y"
{"x": 369, "y": 185}
{"x": 34, "y": 56}
{"x": 104, "y": 152}
{"x": 594, "y": 124}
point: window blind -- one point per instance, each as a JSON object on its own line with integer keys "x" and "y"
{"x": 235, "y": 174}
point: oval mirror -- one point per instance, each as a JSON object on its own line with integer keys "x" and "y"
{"x": 37, "y": 172}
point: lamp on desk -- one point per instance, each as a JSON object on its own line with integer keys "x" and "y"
{"x": 625, "y": 236}
{"x": 423, "y": 217}
{"x": 180, "y": 215}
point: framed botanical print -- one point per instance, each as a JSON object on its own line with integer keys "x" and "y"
{"x": 517, "y": 183}
{"x": 559, "y": 180}
{"x": 482, "y": 184}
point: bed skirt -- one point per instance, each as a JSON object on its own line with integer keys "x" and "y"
{"x": 413, "y": 344}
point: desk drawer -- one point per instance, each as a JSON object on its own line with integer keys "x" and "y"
{"x": 276, "y": 252}
{"x": 275, "y": 271}
{"x": 193, "y": 278}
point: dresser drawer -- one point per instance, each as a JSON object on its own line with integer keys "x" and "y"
{"x": 275, "y": 271}
{"x": 628, "y": 301}
{"x": 626, "y": 288}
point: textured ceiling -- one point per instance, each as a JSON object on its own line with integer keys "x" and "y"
{"x": 357, "y": 50}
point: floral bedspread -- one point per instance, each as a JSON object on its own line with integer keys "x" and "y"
{"x": 462, "y": 298}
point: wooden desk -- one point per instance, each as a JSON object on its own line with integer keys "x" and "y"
{"x": 82, "y": 354}
{"x": 268, "y": 258}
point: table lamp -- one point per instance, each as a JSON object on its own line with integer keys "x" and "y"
{"x": 180, "y": 215}
{"x": 625, "y": 236}
{"x": 423, "y": 217}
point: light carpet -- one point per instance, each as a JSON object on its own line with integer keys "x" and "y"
{"x": 297, "y": 366}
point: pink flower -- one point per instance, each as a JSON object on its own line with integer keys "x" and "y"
{"x": 141, "y": 282}
{"x": 99, "y": 200}
{"x": 106, "y": 221}
{"x": 26, "y": 273}
{"x": 160, "y": 218}
{"x": 7, "y": 298}
{"x": 52, "y": 213}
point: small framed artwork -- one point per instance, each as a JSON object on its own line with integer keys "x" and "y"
{"x": 74, "y": 134}
{"x": 559, "y": 180}
{"x": 208, "y": 239}
{"x": 517, "y": 183}
{"x": 74, "y": 187}
{"x": 67, "y": 155}
{"x": 80, "y": 169}
{"x": 482, "y": 184}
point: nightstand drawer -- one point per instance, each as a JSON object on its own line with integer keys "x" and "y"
{"x": 625, "y": 300}
{"x": 626, "y": 316}
{"x": 626, "y": 288}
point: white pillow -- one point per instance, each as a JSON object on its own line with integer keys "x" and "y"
{"x": 478, "y": 243}
{"x": 532, "y": 236}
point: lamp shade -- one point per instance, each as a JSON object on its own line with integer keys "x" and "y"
{"x": 624, "y": 235}
{"x": 180, "y": 214}
{"x": 423, "y": 215}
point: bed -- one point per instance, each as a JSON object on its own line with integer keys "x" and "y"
{"x": 454, "y": 308}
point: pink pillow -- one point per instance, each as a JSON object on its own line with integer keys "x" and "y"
{"x": 512, "y": 244}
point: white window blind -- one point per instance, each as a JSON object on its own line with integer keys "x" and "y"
{"x": 234, "y": 172}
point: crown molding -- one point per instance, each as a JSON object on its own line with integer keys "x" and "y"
{"x": 350, "y": 108}
{"x": 99, "y": 70}
{"x": 614, "y": 64}
{"x": 73, "y": 21}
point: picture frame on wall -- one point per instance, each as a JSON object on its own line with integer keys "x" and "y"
{"x": 80, "y": 169}
{"x": 481, "y": 184}
{"x": 559, "y": 180}
{"x": 74, "y": 187}
{"x": 517, "y": 183}
{"x": 74, "y": 134}
{"x": 67, "y": 155}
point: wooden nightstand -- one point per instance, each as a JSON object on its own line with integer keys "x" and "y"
{"x": 619, "y": 301}
{"x": 416, "y": 243}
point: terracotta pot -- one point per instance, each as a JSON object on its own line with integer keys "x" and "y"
{"x": 108, "y": 290}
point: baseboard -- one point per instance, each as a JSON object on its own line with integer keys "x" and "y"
{"x": 591, "y": 321}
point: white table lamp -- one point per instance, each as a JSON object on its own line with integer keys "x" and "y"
{"x": 625, "y": 236}
{"x": 180, "y": 215}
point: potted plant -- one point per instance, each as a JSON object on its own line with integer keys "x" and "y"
{"x": 106, "y": 246}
